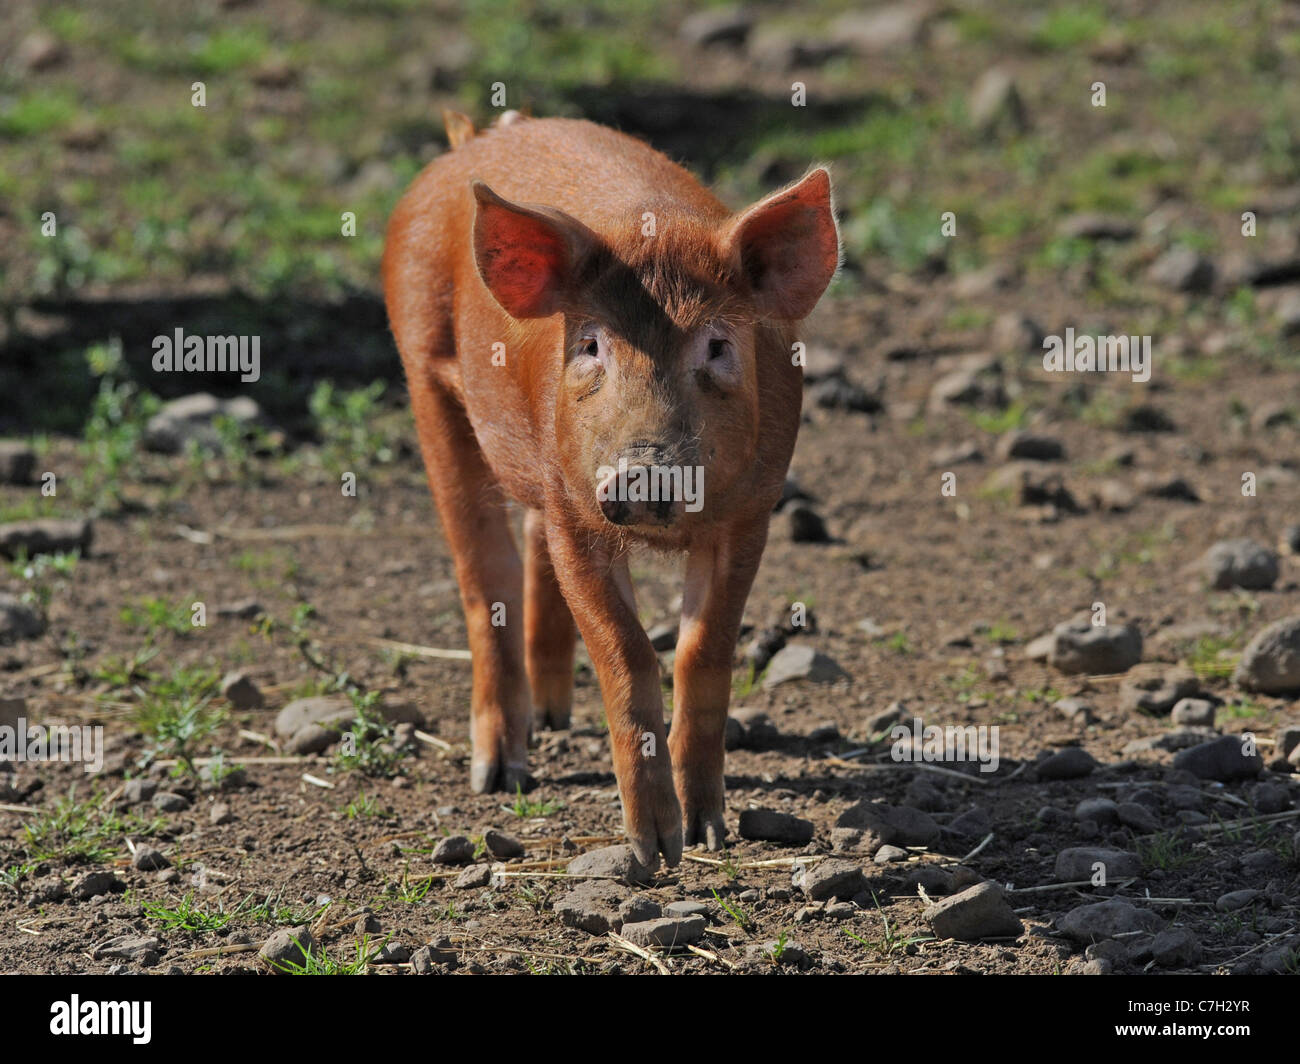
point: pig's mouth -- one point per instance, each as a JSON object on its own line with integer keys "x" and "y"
{"x": 636, "y": 492}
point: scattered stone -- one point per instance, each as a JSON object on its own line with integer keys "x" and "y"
{"x": 1091, "y": 225}
{"x": 1270, "y": 664}
{"x": 829, "y": 878}
{"x": 721, "y": 25}
{"x": 47, "y": 890}
{"x": 838, "y": 393}
{"x": 1016, "y": 334}
{"x": 957, "y": 454}
{"x": 974, "y": 823}
{"x": 17, "y": 460}
{"x": 1106, "y": 919}
{"x": 93, "y": 884}
{"x": 474, "y": 877}
{"x": 453, "y": 850}
{"x": 663, "y": 637}
{"x": 1170, "y": 742}
{"x": 39, "y": 51}
{"x": 665, "y": 933}
{"x": 686, "y": 908}
{"x": 801, "y": 662}
{"x": 149, "y": 859}
{"x": 592, "y": 907}
{"x": 996, "y": 102}
{"x": 140, "y": 949}
{"x": 806, "y": 524}
{"x": 978, "y": 912}
{"x": 884, "y": 30}
{"x": 139, "y": 790}
{"x": 1176, "y": 948}
{"x": 311, "y": 739}
{"x": 1156, "y": 689}
{"x": 1225, "y": 759}
{"x": 1102, "y": 810}
{"x": 1030, "y": 445}
{"x": 1079, "y": 646}
{"x": 1183, "y": 269}
{"x": 1158, "y": 485}
{"x": 978, "y": 384}
{"x": 759, "y": 732}
{"x": 1113, "y": 496}
{"x": 887, "y": 824}
{"x": 1075, "y": 864}
{"x": 933, "y": 878}
{"x": 328, "y": 711}
{"x": 1237, "y": 899}
{"x": 392, "y": 953}
{"x": 244, "y": 610}
{"x": 1138, "y": 817}
{"x": 1240, "y": 563}
{"x": 502, "y": 847}
{"x": 18, "y": 620}
{"x": 769, "y": 825}
{"x": 639, "y": 909}
{"x": 887, "y": 854}
{"x": 1194, "y": 712}
{"x": 617, "y": 861}
{"x": 241, "y": 692}
{"x": 763, "y": 647}
{"x": 1077, "y": 711}
{"x": 193, "y": 418}
{"x": 170, "y": 802}
{"x": 1072, "y": 763}
{"x": 787, "y": 954}
{"x": 288, "y": 946}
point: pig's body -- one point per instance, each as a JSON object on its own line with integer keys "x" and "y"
{"x": 610, "y": 349}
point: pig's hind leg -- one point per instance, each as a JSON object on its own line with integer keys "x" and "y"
{"x": 488, "y": 569}
{"x": 549, "y": 631}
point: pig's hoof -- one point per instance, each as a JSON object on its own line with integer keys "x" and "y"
{"x": 488, "y": 776}
{"x": 704, "y": 828}
{"x": 657, "y": 829}
{"x": 647, "y": 848}
{"x": 553, "y": 718}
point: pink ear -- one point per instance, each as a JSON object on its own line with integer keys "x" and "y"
{"x": 523, "y": 254}
{"x": 788, "y": 247}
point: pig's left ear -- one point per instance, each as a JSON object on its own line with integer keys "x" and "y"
{"x": 526, "y": 255}
{"x": 787, "y": 247}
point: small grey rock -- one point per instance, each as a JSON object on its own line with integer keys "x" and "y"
{"x": 1225, "y": 759}
{"x": 93, "y": 884}
{"x": 769, "y": 825}
{"x": 978, "y": 912}
{"x": 1106, "y": 919}
{"x": 1076, "y": 864}
{"x": 501, "y": 846}
{"x": 170, "y": 802}
{"x": 148, "y": 859}
{"x": 1072, "y": 763}
{"x": 453, "y": 850}
{"x": 830, "y": 878}
{"x": 617, "y": 861}
{"x": 288, "y": 946}
{"x": 666, "y": 932}
{"x": 1240, "y": 563}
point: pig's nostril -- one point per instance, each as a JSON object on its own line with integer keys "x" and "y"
{"x": 616, "y": 512}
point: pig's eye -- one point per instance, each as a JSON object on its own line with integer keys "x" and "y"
{"x": 718, "y": 348}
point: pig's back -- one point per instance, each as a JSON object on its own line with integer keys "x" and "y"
{"x": 605, "y": 179}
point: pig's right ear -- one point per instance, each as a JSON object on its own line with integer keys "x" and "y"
{"x": 525, "y": 255}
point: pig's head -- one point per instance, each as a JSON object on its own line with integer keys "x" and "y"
{"x": 660, "y": 339}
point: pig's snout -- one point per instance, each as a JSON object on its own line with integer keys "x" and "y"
{"x": 643, "y": 489}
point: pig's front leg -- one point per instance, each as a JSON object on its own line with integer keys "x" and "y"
{"x": 598, "y": 589}
{"x": 718, "y": 578}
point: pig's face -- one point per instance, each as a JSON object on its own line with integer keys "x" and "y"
{"x": 660, "y": 416}
{"x": 657, "y": 407}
